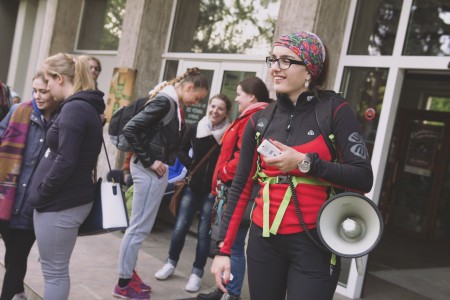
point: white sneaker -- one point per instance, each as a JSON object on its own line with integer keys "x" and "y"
{"x": 194, "y": 284}
{"x": 165, "y": 272}
{"x": 20, "y": 296}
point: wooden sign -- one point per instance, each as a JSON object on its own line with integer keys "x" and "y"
{"x": 120, "y": 91}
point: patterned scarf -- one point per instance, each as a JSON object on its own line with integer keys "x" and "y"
{"x": 12, "y": 149}
{"x": 309, "y": 47}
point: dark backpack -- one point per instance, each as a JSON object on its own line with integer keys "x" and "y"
{"x": 123, "y": 115}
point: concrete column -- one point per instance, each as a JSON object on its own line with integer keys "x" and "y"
{"x": 144, "y": 33}
{"x": 22, "y": 46}
{"x": 326, "y": 18}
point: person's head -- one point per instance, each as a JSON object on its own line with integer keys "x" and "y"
{"x": 42, "y": 97}
{"x": 191, "y": 87}
{"x": 219, "y": 107}
{"x": 297, "y": 64}
{"x": 67, "y": 75}
{"x": 15, "y": 97}
{"x": 250, "y": 91}
{"x": 95, "y": 67}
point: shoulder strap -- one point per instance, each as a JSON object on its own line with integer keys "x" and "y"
{"x": 203, "y": 160}
{"x": 166, "y": 119}
{"x": 169, "y": 115}
{"x": 264, "y": 120}
{"x": 324, "y": 118}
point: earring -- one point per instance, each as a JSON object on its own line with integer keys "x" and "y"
{"x": 306, "y": 83}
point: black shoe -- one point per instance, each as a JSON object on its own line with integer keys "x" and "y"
{"x": 214, "y": 295}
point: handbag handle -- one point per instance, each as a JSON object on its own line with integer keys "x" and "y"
{"x": 191, "y": 173}
{"x": 107, "y": 158}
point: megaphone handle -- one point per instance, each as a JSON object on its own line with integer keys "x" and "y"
{"x": 359, "y": 265}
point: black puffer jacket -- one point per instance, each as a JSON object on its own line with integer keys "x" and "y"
{"x": 63, "y": 178}
{"x": 147, "y": 136}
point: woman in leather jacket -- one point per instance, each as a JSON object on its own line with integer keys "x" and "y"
{"x": 155, "y": 146}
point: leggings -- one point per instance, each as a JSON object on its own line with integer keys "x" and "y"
{"x": 56, "y": 234}
{"x": 289, "y": 266}
{"x": 18, "y": 243}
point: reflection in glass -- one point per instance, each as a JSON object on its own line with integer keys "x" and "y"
{"x": 101, "y": 25}
{"x": 415, "y": 180}
{"x": 364, "y": 89}
{"x": 375, "y": 27}
{"x": 428, "y": 29}
{"x": 240, "y": 27}
{"x": 170, "y": 69}
{"x": 230, "y": 82}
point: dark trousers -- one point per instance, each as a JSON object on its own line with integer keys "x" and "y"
{"x": 289, "y": 266}
{"x": 18, "y": 244}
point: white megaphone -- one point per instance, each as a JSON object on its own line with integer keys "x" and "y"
{"x": 349, "y": 225}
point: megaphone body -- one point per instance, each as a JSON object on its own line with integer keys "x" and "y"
{"x": 349, "y": 225}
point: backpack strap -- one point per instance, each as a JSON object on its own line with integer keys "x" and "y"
{"x": 169, "y": 115}
{"x": 324, "y": 118}
{"x": 166, "y": 119}
{"x": 261, "y": 127}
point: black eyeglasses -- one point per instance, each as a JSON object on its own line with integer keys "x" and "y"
{"x": 283, "y": 62}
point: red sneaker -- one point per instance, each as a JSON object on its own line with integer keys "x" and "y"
{"x": 138, "y": 281}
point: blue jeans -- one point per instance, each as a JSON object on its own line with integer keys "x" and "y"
{"x": 189, "y": 204}
{"x": 238, "y": 263}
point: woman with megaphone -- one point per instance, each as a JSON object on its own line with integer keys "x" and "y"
{"x": 287, "y": 149}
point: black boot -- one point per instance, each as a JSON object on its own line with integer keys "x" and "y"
{"x": 214, "y": 295}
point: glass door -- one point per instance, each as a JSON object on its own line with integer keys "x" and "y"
{"x": 418, "y": 179}
{"x": 223, "y": 78}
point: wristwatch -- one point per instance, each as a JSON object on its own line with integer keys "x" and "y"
{"x": 305, "y": 165}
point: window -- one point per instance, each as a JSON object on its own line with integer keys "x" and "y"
{"x": 237, "y": 27}
{"x": 101, "y": 25}
{"x": 364, "y": 89}
{"x": 375, "y": 27}
{"x": 428, "y": 29}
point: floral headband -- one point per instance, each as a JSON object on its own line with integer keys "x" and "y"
{"x": 309, "y": 47}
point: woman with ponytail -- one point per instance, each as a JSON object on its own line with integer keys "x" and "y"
{"x": 61, "y": 190}
{"x": 154, "y": 146}
{"x": 22, "y": 144}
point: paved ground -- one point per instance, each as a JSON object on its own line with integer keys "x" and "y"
{"x": 94, "y": 271}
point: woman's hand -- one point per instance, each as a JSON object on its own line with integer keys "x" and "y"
{"x": 221, "y": 265}
{"x": 159, "y": 168}
{"x": 287, "y": 161}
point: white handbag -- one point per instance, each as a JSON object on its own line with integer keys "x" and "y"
{"x": 109, "y": 211}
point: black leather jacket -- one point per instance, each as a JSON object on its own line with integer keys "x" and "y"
{"x": 148, "y": 137}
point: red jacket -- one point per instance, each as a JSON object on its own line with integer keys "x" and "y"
{"x": 231, "y": 147}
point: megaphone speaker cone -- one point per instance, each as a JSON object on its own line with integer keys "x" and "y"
{"x": 349, "y": 225}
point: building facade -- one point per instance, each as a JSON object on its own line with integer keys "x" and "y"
{"x": 389, "y": 58}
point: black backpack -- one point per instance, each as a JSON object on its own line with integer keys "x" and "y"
{"x": 123, "y": 115}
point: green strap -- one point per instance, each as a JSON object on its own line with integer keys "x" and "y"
{"x": 333, "y": 259}
{"x": 284, "y": 203}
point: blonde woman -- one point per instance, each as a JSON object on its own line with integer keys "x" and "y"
{"x": 62, "y": 191}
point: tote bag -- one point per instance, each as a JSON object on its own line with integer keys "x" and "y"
{"x": 109, "y": 211}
